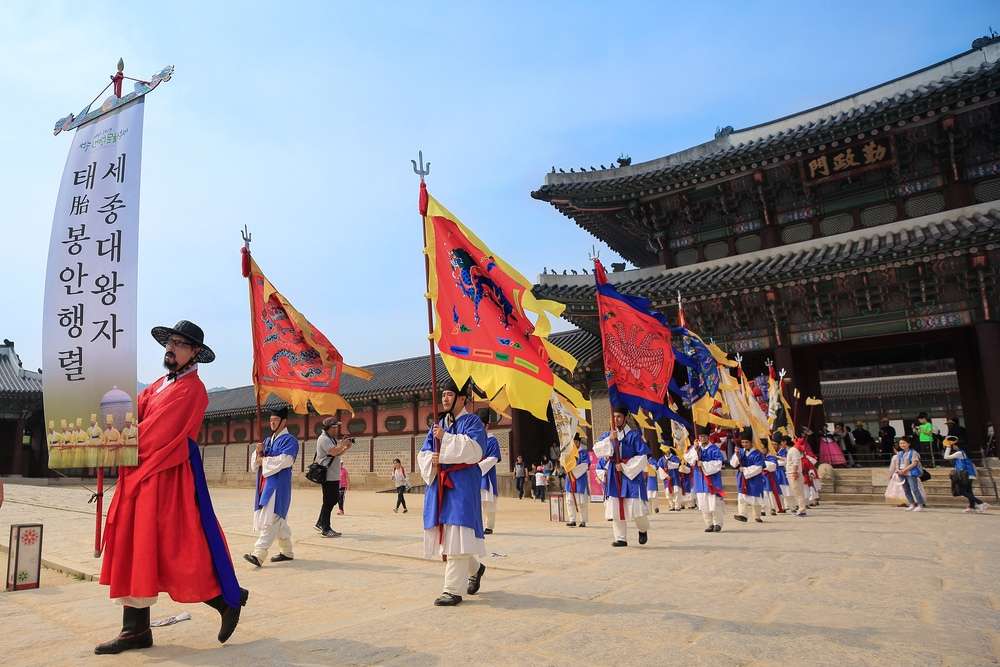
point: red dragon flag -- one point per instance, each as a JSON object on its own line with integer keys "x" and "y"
{"x": 481, "y": 323}
{"x": 292, "y": 359}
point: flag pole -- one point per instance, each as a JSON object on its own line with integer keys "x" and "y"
{"x": 245, "y": 257}
{"x": 422, "y": 170}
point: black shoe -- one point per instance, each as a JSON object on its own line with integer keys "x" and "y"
{"x": 126, "y": 641}
{"x": 318, "y": 528}
{"x": 710, "y": 529}
{"x": 571, "y": 524}
{"x": 717, "y": 528}
{"x": 253, "y": 560}
{"x": 583, "y": 525}
{"x": 740, "y": 517}
{"x": 759, "y": 520}
{"x": 475, "y": 580}
{"x": 487, "y": 531}
{"x": 643, "y": 538}
{"x": 773, "y": 513}
{"x": 619, "y": 543}
{"x": 448, "y": 600}
{"x": 656, "y": 510}
{"x": 330, "y": 532}
{"x": 280, "y": 558}
{"x": 230, "y": 615}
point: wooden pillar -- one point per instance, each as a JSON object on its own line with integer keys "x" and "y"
{"x": 18, "y": 466}
{"x": 371, "y": 446}
{"x": 988, "y": 342}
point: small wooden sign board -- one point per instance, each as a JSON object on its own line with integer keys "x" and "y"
{"x": 24, "y": 558}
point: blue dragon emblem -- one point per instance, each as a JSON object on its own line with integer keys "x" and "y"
{"x": 477, "y": 285}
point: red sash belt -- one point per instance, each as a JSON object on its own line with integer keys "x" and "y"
{"x": 445, "y": 482}
{"x": 775, "y": 489}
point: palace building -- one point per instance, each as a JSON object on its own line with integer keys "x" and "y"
{"x": 856, "y": 243}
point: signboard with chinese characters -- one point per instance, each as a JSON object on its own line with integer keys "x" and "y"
{"x": 89, "y": 320}
{"x": 847, "y": 159}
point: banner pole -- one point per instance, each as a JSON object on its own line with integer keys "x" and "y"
{"x": 422, "y": 170}
{"x": 99, "y": 513}
{"x": 245, "y": 264}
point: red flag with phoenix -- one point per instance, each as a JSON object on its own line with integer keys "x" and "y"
{"x": 292, "y": 359}
{"x": 481, "y": 324}
{"x": 638, "y": 357}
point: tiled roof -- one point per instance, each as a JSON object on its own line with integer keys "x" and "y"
{"x": 906, "y": 385}
{"x": 392, "y": 379}
{"x": 948, "y": 231}
{"x": 723, "y": 156}
{"x": 15, "y": 380}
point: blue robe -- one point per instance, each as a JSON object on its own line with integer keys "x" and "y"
{"x": 755, "y": 484}
{"x": 674, "y": 473}
{"x": 279, "y": 484}
{"x": 461, "y": 505}
{"x": 631, "y": 445}
{"x": 780, "y": 473}
{"x": 489, "y": 480}
{"x": 581, "y": 485}
{"x": 652, "y": 479}
{"x": 768, "y": 486}
{"x": 710, "y": 453}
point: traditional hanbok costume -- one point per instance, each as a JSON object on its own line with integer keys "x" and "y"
{"x": 652, "y": 482}
{"x": 894, "y": 487}
{"x": 274, "y": 495}
{"x": 488, "y": 486}
{"x": 772, "y": 492}
{"x": 749, "y": 464}
{"x": 780, "y": 475}
{"x": 706, "y": 463}
{"x": 830, "y": 452}
{"x": 672, "y": 480}
{"x": 577, "y": 490}
{"x": 453, "y": 517}
{"x": 625, "y": 490}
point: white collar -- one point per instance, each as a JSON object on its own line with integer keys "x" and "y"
{"x": 167, "y": 381}
{"x": 275, "y": 436}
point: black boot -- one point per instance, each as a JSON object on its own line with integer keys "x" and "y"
{"x": 230, "y": 615}
{"x": 135, "y": 633}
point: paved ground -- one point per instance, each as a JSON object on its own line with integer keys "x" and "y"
{"x": 848, "y": 585}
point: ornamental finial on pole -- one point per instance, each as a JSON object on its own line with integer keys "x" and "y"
{"x": 422, "y": 170}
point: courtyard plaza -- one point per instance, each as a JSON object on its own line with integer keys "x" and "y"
{"x": 847, "y": 585}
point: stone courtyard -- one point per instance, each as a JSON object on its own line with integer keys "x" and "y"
{"x": 848, "y": 585}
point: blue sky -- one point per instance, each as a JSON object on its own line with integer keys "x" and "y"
{"x": 299, "y": 120}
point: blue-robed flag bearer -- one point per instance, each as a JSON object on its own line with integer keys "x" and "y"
{"x": 453, "y": 518}
{"x": 627, "y": 456}
{"x": 577, "y": 486}
{"x": 272, "y": 461}
{"x": 489, "y": 491}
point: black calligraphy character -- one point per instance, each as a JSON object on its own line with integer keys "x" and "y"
{"x": 113, "y": 203}
{"x": 71, "y": 362}
{"x": 80, "y": 205}
{"x": 103, "y": 332}
{"x": 116, "y": 169}
{"x": 85, "y": 177}
{"x": 71, "y": 319}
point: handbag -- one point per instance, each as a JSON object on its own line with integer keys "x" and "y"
{"x": 924, "y": 475}
{"x": 317, "y": 471}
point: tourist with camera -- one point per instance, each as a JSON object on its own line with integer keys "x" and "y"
{"x": 328, "y": 452}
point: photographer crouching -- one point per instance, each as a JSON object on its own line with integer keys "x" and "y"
{"x": 328, "y": 452}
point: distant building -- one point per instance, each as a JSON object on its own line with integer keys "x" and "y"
{"x": 22, "y": 428}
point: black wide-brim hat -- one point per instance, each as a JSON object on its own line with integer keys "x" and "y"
{"x": 190, "y": 331}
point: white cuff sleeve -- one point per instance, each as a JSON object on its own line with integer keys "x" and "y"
{"x": 691, "y": 456}
{"x": 424, "y": 463}
{"x": 711, "y": 467}
{"x": 254, "y": 461}
{"x": 751, "y": 471}
{"x": 580, "y": 470}
{"x": 602, "y": 475}
{"x": 272, "y": 464}
{"x": 771, "y": 466}
{"x": 635, "y": 466}
{"x": 735, "y": 461}
{"x": 661, "y": 473}
{"x": 487, "y": 464}
{"x": 673, "y": 466}
{"x": 604, "y": 448}
{"x": 458, "y": 448}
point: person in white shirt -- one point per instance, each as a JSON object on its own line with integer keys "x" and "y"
{"x": 793, "y": 469}
{"x": 400, "y": 483}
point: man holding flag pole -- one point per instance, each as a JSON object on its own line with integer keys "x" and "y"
{"x": 477, "y": 316}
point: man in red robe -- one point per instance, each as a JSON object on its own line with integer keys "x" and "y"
{"x": 161, "y": 534}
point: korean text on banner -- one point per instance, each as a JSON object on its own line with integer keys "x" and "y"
{"x": 89, "y": 319}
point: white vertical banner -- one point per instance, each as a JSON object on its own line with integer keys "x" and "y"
{"x": 89, "y": 322}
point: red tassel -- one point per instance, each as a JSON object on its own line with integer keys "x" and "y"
{"x": 422, "y": 205}
{"x": 245, "y": 263}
